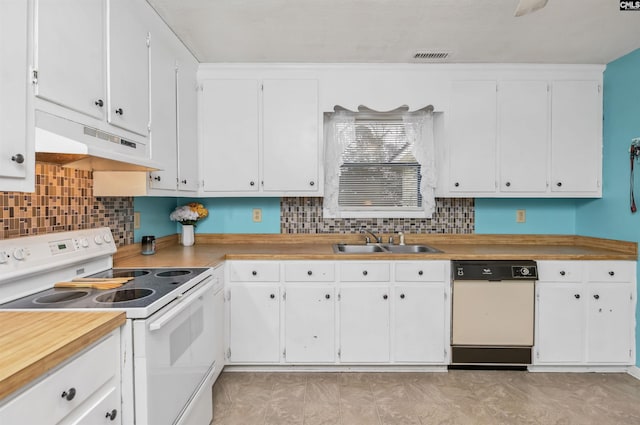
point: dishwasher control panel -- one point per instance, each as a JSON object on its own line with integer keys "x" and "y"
{"x": 495, "y": 270}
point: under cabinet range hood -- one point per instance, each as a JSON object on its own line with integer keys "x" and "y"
{"x": 74, "y": 145}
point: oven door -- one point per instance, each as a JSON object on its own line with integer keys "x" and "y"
{"x": 173, "y": 354}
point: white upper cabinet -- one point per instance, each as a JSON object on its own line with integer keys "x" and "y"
{"x": 231, "y": 136}
{"x": 128, "y": 66}
{"x": 290, "y": 135}
{"x": 523, "y": 134}
{"x": 260, "y": 137}
{"x": 187, "y": 103}
{"x": 576, "y": 137}
{"x": 471, "y": 134}
{"x": 16, "y": 135}
{"x": 70, "y": 61}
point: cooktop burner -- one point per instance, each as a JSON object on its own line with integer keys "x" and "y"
{"x": 146, "y": 287}
{"x": 123, "y": 295}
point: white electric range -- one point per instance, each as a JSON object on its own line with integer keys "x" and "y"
{"x": 167, "y": 342}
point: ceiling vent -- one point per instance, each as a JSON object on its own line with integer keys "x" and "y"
{"x": 431, "y": 56}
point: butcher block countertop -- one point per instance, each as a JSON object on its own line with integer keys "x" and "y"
{"x": 34, "y": 342}
{"x": 211, "y": 249}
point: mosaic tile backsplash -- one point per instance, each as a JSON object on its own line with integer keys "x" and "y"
{"x": 304, "y": 215}
{"x": 63, "y": 200}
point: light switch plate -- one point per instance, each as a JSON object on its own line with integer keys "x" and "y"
{"x": 136, "y": 220}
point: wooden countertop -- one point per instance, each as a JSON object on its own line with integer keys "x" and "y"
{"x": 34, "y": 342}
{"x": 211, "y": 249}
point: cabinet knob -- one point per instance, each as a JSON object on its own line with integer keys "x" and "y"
{"x": 272, "y": 296}
{"x": 402, "y": 296}
{"x": 364, "y": 273}
{"x": 385, "y": 296}
{"x": 157, "y": 178}
{"x": 183, "y": 181}
{"x": 559, "y": 184}
{"x": 311, "y": 183}
{"x": 456, "y": 184}
{"x": 420, "y": 273}
{"x": 596, "y": 296}
{"x": 112, "y": 415}
{"x": 119, "y": 111}
{"x": 612, "y": 273}
{"x": 577, "y": 296}
{"x": 18, "y": 158}
{"x": 309, "y": 272}
{"x": 255, "y": 273}
{"x": 69, "y": 394}
{"x": 99, "y": 103}
{"x": 327, "y": 296}
{"x": 252, "y": 183}
{"x": 507, "y": 184}
{"x": 562, "y": 273}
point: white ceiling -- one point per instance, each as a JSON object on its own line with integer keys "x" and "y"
{"x": 327, "y": 31}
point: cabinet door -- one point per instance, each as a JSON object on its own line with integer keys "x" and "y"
{"x": 106, "y": 410}
{"x": 163, "y": 107}
{"x": 523, "y": 134}
{"x": 610, "y": 323}
{"x": 364, "y": 324}
{"x": 560, "y": 323}
{"x": 290, "y": 135}
{"x": 471, "y": 133}
{"x": 576, "y": 136}
{"x": 218, "y": 327}
{"x": 309, "y": 324}
{"x": 16, "y": 147}
{"x": 419, "y": 324}
{"x": 254, "y": 323}
{"x": 187, "y": 120}
{"x": 129, "y": 65}
{"x": 230, "y": 139}
{"x": 70, "y": 54}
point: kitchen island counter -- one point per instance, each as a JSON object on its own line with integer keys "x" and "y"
{"x": 35, "y": 342}
{"x": 212, "y": 249}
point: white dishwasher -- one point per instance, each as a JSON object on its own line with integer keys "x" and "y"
{"x": 493, "y": 312}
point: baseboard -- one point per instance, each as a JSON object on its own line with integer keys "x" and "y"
{"x": 634, "y": 371}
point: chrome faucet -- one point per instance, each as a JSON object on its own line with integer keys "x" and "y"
{"x": 378, "y": 239}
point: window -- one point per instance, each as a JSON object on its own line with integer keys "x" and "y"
{"x": 379, "y": 164}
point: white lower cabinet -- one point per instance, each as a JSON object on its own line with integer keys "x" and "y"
{"x": 85, "y": 390}
{"x": 338, "y": 312}
{"x": 585, "y": 313}
{"x": 309, "y": 323}
{"x": 364, "y": 323}
{"x": 254, "y": 323}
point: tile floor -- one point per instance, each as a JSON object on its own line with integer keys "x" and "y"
{"x": 458, "y": 397}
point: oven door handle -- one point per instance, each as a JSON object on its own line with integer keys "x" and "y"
{"x": 163, "y": 320}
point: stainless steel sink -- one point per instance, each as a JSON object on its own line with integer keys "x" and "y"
{"x": 357, "y": 249}
{"x": 399, "y": 249}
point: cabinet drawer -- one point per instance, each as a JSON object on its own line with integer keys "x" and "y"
{"x": 106, "y": 407}
{"x": 309, "y": 272}
{"x": 427, "y": 271}
{"x": 560, "y": 271}
{"x": 47, "y": 401}
{"x": 264, "y": 271}
{"x": 365, "y": 272}
{"x": 610, "y": 271}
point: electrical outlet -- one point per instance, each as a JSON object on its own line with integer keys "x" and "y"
{"x": 521, "y": 216}
{"x": 136, "y": 220}
{"x": 257, "y": 215}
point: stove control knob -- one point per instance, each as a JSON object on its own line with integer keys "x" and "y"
{"x": 107, "y": 238}
{"x": 18, "y": 254}
{"x": 84, "y": 242}
{"x": 524, "y": 271}
{"x": 98, "y": 240}
{"x": 3, "y": 257}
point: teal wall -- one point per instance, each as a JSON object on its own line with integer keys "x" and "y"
{"x": 543, "y": 216}
{"x": 226, "y": 215}
{"x": 610, "y": 217}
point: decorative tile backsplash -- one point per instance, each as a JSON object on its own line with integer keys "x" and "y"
{"x": 63, "y": 200}
{"x": 304, "y": 215}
